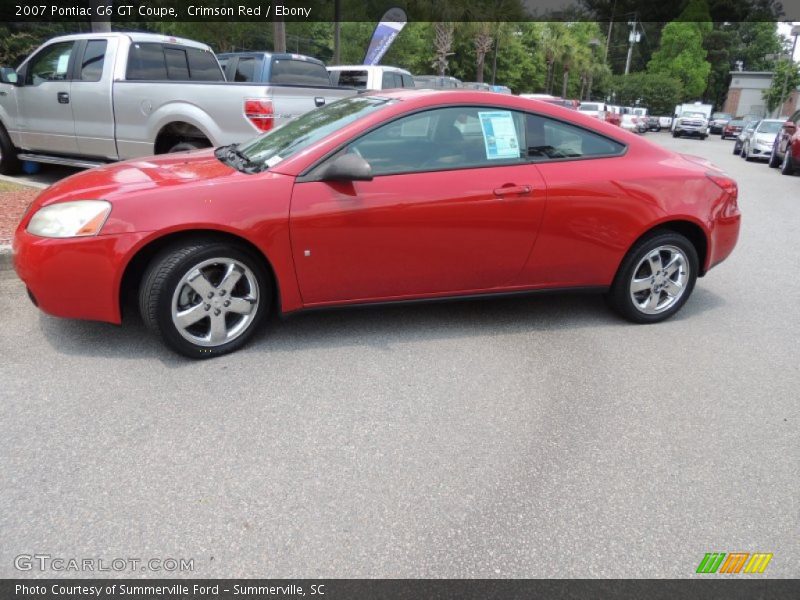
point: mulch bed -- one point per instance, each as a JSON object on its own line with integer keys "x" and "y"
{"x": 14, "y": 199}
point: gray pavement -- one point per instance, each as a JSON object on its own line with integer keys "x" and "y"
{"x": 533, "y": 437}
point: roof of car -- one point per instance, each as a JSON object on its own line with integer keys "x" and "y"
{"x": 133, "y": 36}
{"x": 367, "y": 67}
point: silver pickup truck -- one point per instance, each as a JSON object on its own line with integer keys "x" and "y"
{"x": 88, "y": 99}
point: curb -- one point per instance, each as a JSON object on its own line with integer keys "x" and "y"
{"x": 24, "y": 182}
{"x": 5, "y": 257}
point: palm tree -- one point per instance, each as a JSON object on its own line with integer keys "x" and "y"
{"x": 442, "y": 45}
{"x": 483, "y": 40}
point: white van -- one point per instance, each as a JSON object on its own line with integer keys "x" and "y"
{"x": 370, "y": 77}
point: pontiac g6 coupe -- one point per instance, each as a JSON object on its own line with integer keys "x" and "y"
{"x": 396, "y": 196}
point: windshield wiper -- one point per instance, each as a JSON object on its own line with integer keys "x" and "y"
{"x": 232, "y": 156}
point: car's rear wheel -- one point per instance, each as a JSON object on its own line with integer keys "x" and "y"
{"x": 656, "y": 278}
{"x": 9, "y": 163}
{"x": 787, "y": 166}
{"x": 736, "y": 149}
{"x": 187, "y": 146}
{"x": 204, "y": 298}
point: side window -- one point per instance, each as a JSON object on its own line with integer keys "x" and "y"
{"x": 408, "y": 81}
{"x": 177, "y": 67}
{"x": 445, "y": 138}
{"x": 51, "y": 64}
{"x": 356, "y": 79}
{"x": 245, "y": 69}
{"x": 299, "y": 72}
{"x": 203, "y": 65}
{"x": 146, "y": 62}
{"x": 549, "y": 139}
{"x": 93, "y": 60}
{"x": 387, "y": 81}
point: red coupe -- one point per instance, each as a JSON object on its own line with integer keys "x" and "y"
{"x": 395, "y": 196}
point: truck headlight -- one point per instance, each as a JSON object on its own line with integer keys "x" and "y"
{"x": 77, "y": 218}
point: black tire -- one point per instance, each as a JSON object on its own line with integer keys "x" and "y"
{"x": 675, "y": 134}
{"x": 9, "y": 163}
{"x": 742, "y": 152}
{"x": 188, "y": 146}
{"x": 774, "y": 162}
{"x": 746, "y": 155}
{"x": 702, "y": 137}
{"x": 163, "y": 276}
{"x": 619, "y": 296}
{"x": 736, "y": 149}
{"x": 787, "y": 165}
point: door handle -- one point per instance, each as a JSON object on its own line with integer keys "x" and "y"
{"x": 63, "y": 98}
{"x": 513, "y": 190}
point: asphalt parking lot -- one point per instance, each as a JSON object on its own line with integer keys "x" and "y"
{"x": 528, "y": 437}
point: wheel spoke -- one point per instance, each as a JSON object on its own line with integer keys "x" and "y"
{"x": 674, "y": 264}
{"x": 242, "y": 306}
{"x": 655, "y": 261}
{"x": 231, "y": 278}
{"x": 190, "y": 316}
{"x": 198, "y": 282}
{"x": 672, "y": 288}
{"x": 641, "y": 285}
{"x": 218, "y": 331}
{"x": 652, "y": 301}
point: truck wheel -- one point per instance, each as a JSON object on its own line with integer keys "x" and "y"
{"x": 9, "y": 163}
{"x": 702, "y": 137}
{"x": 787, "y": 167}
{"x": 188, "y": 146}
{"x": 674, "y": 134}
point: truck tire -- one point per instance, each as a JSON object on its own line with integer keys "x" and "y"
{"x": 9, "y": 163}
{"x": 187, "y": 146}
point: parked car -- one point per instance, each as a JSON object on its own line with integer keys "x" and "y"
{"x": 692, "y": 124}
{"x": 760, "y": 143}
{"x": 436, "y": 82}
{"x": 786, "y": 149}
{"x": 733, "y": 128}
{"x": 375, "y": 199}
{"x": 501, "y": 89}
{"x": 747, "y": 131}
{"x": 718, "y": 121}
{"x": 274, "y": 68}
{"x": 631, "y": 122}
{"x": 478, "y": 85}
{"x": 597, "y": 110}
{"x": 556, "y": 100}
{"x": 370, "y": 77}
{"x": 652, "y": 123}
{"x": 88, "y": 99}
{"x": 665, "y": 122}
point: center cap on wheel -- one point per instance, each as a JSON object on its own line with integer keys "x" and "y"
{"x": 216, "y": 302}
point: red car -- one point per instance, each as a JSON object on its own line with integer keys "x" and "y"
{"x": 786, "y": 150}
{"x": 397, "y": 196}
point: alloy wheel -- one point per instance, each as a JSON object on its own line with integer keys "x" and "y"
{"x": 659, "y": 280}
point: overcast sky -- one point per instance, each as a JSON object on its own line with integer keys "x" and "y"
{"x": 785, "y": 29}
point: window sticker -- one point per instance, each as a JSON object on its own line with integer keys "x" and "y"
{"x": 63, "y": 63}
{"x": 499, "y": 134}
{"x": 273, "y": 160}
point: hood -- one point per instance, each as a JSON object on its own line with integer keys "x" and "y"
{"x": 139, "y": 174}
{"x": 765, "y": 138}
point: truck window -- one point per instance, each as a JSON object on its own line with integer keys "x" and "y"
{"x": 246, "y": 69}
{"x": 299, "y": 72}
{"x": 51, "y": 64}
{"x": 177, "y": 67}
{"x": 390, "y": 80}
{"x": 93, "y": 60}
{"x": 203, "y": 65}
{"x": 146, "y": 62}
{"x": 408, "y": 81}
{"x": 356, "y": 79}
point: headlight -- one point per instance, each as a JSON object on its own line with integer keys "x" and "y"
{"x": 70, "y": 219}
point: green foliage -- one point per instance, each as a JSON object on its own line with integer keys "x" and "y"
{"x": 786, "y": 79}
{"x": 659, "y": 92}
{"x": 682, "y": 56}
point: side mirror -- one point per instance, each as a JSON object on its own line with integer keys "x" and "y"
{"x": 348, "y": 167}
{"x": 8, "y": 75}
{"x": 789, "y": 126}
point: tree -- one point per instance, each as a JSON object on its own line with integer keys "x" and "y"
{"x": 442, "y": 45}
{"x": 482, "y": 41}
{"x": 660, "y": 93}
{"x": 682, "y": 56}
{"x": 785, "y": 79}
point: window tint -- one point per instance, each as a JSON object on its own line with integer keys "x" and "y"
{"x": 549, "y": 139}
{"x": 245, "y": 69}
{"x": 299, "y": 72}
{"x": 390, "y": 80}
{"x": 51, "y": 64}
{"x": 446, "y": 138}
{"x": 146, "y": 62}
{"x": 356, "y": 79}
{"x": 408, "y": 81}
{"x": 93, "y": 59}
{"x": 203, "y": 65}
{"x": 177, "y": 67}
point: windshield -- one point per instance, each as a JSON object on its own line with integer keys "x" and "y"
{"x": 267, "y": 150}
{"x": 736, "y": 123}
{"x": 770, "y": 127}
{"x": 721, "y": 116}
{"x": 588, "y": 107}
{"x": 694, "y": 115}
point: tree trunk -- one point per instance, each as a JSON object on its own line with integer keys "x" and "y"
{"x": 278, "y": 36}
{"x": 565, "y": 82}
{"x": 100, "y": 24}
{"x": 337, "y": 32}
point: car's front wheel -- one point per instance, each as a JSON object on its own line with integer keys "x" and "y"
{"x": 656, "y": 278}
{"x": 204, "y": 298}
{"x": 787, "y": 167}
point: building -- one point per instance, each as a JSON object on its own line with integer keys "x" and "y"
{"x": 744, "y": 95}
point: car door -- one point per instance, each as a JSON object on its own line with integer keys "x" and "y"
{"x": 90, "y": 98}
{"x": 787, "y": 133}
{"x": 47, "y": 123}
{"x": 453, "y": 208}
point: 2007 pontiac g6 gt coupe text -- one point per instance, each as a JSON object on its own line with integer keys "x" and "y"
{"x": 395, "y": 196}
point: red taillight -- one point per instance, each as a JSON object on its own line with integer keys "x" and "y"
{"x": 259, "y": 113}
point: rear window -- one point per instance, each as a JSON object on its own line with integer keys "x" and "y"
{"x": 245, "y": 69}
{"x": 356, "y": 79}
{"x": 391, "y": 80}
{"x": 157, "y": 62}
{"x": 589, "y": 107}
{"x": 299, "y": 72}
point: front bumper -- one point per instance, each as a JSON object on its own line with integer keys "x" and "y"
{"x": 76, "y": 278}
{"x": 691, "y": 130}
